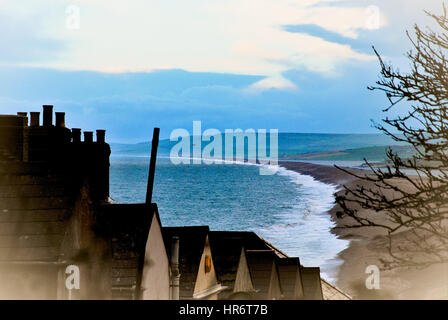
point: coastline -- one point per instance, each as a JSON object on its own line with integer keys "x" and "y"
{"x": 367, "y": 247}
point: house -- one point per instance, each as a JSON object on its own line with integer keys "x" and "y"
{"x": 198, "y": 278}
{"x": 229, "y": 255}
{"x": 140, "y": 266}
{"x": 231, "y": 252}
{"x": 56, "y": 220}
{"x": 290, "y": 278}
{"x": 46, "y": 184}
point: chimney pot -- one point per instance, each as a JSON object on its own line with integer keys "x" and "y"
{"x": 25, "y": 116}
{"x": 60, "y": 119}
{"x": 76, "y": 134}
{"x": 88, "y": 136}
{"x": 101, "y": 136}
{"x": 48, "y": 115}
{"x": 34, "y": 122}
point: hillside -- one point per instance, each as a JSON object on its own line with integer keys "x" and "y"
{"x": 296, "y": 146}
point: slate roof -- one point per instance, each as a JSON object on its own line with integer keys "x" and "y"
{"x": 260, "y": 264}
{"x": 127, "y": 226}
{"x": 249, "y": 240}
{"x": 290, "y": 278}
{"x": 311, "y": 283}
{"x": 331, "y": 292}
{"x": 191, "y": 247}
{"x": 226, "y": 249}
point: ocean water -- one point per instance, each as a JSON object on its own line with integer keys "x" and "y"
{"x": 287, "y": 209}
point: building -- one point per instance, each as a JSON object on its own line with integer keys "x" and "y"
{"x": 56, "y": 219}
{"x": 197, "y": 270}
{"x": 134, "y": 229}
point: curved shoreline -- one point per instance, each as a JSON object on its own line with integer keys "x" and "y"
{"x": 331, "y": 176}
{"x": 317, "y": 245}
{"x": 367, "y": 247}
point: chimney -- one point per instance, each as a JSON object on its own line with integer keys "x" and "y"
{"x": 48, "y": 115}
{"x": 24, "y": 115}
{"x": 34, "y": 122}
{"x": 88, "y": 136}
{"x": 175, "y": 275}
{"x": 101, "y": 136}
{"x": 76, "y": 135}
{"x": 60, "y": 119}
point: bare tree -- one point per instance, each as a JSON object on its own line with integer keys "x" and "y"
{"x": 411, "y": 192}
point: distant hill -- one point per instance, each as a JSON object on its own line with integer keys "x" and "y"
{"x": 296, "y": 146}
{"x": 377, "y": 153}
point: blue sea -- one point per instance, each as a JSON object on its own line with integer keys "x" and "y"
{"x": 287, "y": 209}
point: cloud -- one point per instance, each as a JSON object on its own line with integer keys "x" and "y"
{"x": 272, "y": 83}
{"x": 230, "y": 36}
{"x": 21, "y": 41}
{"x": 129, "y": 105}
{"x": 293, "y": 65}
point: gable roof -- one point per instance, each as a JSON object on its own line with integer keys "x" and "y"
{"x": 127, "y": 226}
{"x": 312, "y": 285}
{"x": 191, "y": 247}
{"x": 261, "y": 265}
{"x": 226, "y": 249}
{"x": 290, "y": 278}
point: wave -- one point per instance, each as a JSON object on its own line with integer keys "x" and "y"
{"x": 304, "y": 230}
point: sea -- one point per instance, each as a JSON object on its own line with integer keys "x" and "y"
{"x": 288, "y": 209}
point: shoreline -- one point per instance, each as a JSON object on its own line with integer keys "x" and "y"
{"x": 367, "y": 247}
{"x": 329, "y": 175}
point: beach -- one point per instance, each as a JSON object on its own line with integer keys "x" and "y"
{"x": 367, "y": 246}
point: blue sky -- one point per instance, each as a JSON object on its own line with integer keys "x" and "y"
{"x": 296, "y": 66}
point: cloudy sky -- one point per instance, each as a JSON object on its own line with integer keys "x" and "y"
{"x": 127, "y": 66}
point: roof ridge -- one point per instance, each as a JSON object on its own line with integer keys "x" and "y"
{"x": 277, "y": 250}
{"x": 287, "y": 256}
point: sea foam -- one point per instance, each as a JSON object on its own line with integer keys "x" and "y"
{"x": 304, "y": 229}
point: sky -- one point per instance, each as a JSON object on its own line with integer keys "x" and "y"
{"x": 128, "y": 66}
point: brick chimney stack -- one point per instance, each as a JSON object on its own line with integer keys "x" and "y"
{"x": 48, "y": 115}
{"x": 34, "y": 122}
{"x": 100, "y": 136}
{"x": 76, "y": 135}
{"x": 88, "y": 136}
{"x": 60, "y": 119}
